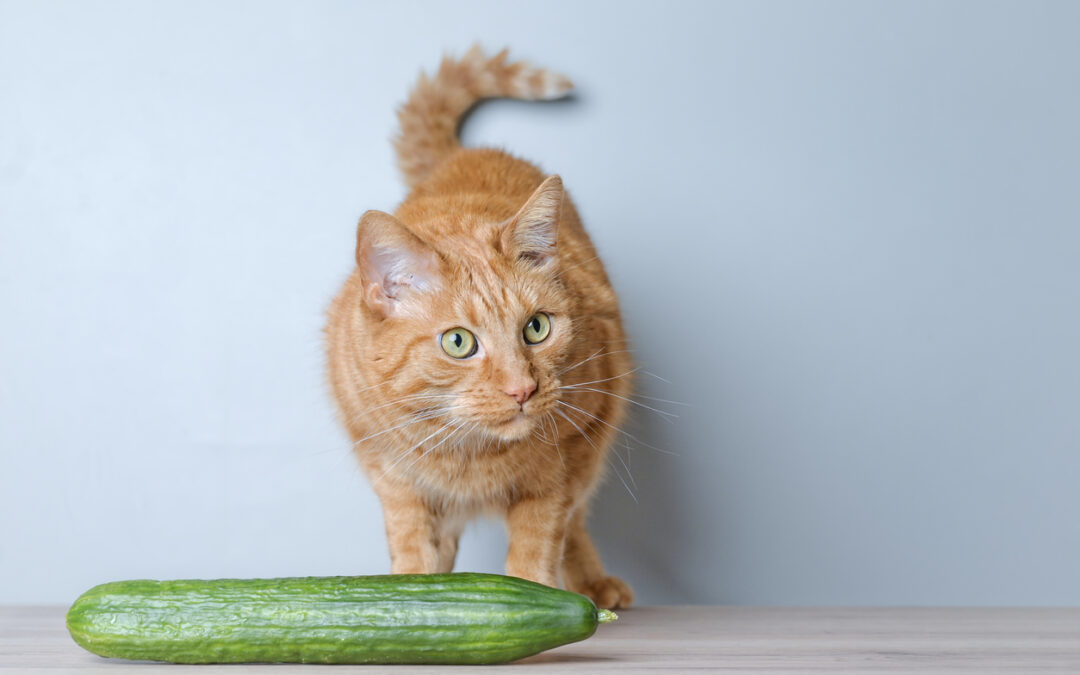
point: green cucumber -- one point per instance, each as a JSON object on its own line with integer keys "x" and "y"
{"x": 408, "y": 618}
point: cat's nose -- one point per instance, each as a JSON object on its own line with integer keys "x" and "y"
{"x": 521, "y": 390}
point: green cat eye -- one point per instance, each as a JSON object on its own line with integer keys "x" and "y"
{"x": 459, "y": 343}
{"x": 537, "y": 329}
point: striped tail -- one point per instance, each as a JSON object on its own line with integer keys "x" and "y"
{"x": 429, "y": 119}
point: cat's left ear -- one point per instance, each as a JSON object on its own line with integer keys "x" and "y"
{"x": 395, "y": 265}
{"x": 532, "y": 233}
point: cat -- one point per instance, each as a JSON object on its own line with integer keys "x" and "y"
{"x": 476, "y": 353}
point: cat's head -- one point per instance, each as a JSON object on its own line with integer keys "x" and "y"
{"x": 475, "y": 327}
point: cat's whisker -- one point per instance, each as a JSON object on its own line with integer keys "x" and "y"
{"x": 596, "y": 355}
{"x": 590, "y": 415}
{"x": 432, "y": 448}
{"x": 475, "y": 427}
{"x": 540, "y": 432}
{"x": 667, "y": 415}
{"x": 386, "y": 431}
{"x": 629, "y": 474}
{"x": 586, "y": 437}
{"x": 389, "y": 380}
{"x": 621, "y": 431}
{"x": 536, "y": 435}
{"x": 621, "y": 480}
{"x": 465, "y": 435}
{"x": 580, "y": 430}
{"x": 555, "y": 433}
{"x": 591, "y": 356}
{"x": 424, "y": 416}
{"x": 406, "y": 453}
{"x": 664, "y": 400}
{"x": 403, "y": 399}
{"x": 606, "y": 379}
{"x": 426, "y": 407}
{"x": 411, "y": 419}
{"x": 648, "y": 445}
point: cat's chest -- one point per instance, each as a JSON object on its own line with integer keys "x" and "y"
{"x": 480, "y": 479}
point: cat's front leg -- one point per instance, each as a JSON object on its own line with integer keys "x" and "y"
{"x": 411, "y": 532}
{"x": 537, "y": 528}
{"x": 582, "y": 571}
{"x": 449, "y": 533}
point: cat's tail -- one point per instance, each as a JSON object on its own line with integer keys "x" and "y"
{"x": 430, "y": 118}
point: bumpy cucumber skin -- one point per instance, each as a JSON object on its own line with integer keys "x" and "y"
{"x": 461, "y": 618}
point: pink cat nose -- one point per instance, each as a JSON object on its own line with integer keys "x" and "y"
{"x": 521, "y": 391}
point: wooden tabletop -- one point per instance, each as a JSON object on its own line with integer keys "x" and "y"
{"x": 671, "y": 639}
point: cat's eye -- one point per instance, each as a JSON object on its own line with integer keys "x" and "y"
{"x": 459, "y": 343}
{"x": 537, "y": 329}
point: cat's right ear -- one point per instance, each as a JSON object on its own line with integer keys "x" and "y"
{"x": 532, "y": 233}
{"x": 395, "y": 265}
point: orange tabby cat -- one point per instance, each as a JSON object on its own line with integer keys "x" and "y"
{"x": 477, "y": 353}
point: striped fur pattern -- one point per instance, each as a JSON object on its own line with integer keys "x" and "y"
{"x": 484, "y": 241}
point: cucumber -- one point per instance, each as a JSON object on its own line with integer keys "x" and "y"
{"x": 462, "y": 618}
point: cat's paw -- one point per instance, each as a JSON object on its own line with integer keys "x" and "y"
{"x": 608, "y": 593}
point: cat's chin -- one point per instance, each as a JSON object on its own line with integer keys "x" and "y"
{"x": 514, "y": 429}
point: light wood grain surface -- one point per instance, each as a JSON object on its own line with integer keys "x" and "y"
{"x": 672, "y": 639}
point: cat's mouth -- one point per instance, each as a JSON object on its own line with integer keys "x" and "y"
{"x": 518, "y": 418}
{"x": 514, "y": 427}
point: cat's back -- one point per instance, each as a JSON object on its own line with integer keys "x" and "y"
{"x": 488, "y": 185}
{"x": 471, "y": 186}
{"x": 488, "y": 171}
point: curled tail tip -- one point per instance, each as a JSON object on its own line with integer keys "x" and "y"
{"x": 430, "y": 117}
{"x": 515, "y": 79}
{"x": 536, "y": 84}
{"x": 555, "y": 86}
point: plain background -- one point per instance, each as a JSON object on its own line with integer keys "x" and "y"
{"x": 846, "y": 233}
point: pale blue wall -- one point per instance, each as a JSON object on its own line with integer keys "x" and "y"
{"x": 847, "y": 233}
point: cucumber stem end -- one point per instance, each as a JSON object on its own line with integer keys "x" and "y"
{"x": 606, "y": 616}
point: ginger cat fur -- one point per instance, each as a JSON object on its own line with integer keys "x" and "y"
{"x": 520, "y": 427}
